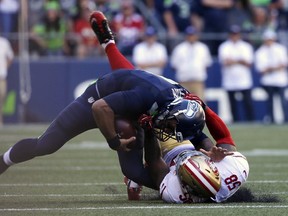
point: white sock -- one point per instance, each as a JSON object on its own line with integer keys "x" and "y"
{"x": 6, "y": 158}
{"x": 133, "y": 184}
{"x": 104, "y": 45}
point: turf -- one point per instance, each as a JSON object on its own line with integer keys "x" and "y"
{"x": 84, "y": 178}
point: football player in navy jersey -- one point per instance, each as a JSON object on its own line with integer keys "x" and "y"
{"x": 161, "y": 174}
{"x": 127, "y": 92}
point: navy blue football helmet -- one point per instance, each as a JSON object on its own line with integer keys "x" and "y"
{"x": 190, "y": 120}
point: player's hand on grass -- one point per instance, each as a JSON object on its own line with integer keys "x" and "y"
{"x": 217, "y": 153}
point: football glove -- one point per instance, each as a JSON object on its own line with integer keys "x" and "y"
{"x": 194, "y": 97}
{"x": 145, "y": 121}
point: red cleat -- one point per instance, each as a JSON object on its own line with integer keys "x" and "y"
{"x": 100, "y": 26}
{"x": 133, "y": 189}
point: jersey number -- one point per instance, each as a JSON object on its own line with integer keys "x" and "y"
{"x": 232, "y": 182}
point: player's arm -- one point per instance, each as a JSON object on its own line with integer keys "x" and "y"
{"x": 169, "y": 21}
{"x": 157, "y": 167}
{"x": 220, "y": 4}
{"x": 219, "y": 130}
{"x": 216, "y": 127}
{"x": 105, "y": 119}
{"x": 205, "y": 145}
{"x": 202, "y": 142}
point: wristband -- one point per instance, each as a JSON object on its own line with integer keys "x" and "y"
{"x": 114, "y": 143}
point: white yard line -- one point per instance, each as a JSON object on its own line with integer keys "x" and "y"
{"x": 117, "y": 167}
{"x": 88, "y": 184}
{"x": 70, "y": 168}
{"x": 104, "y": 145}
{"x": 146, "y": 207}
{"x": 63, "y": 195}
{"x": 266, "y": 152}
{"x": 100, "y": 195}
{"x": 60, "y": 184}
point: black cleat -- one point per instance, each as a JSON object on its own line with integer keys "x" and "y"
{"x": 3, "y": 166}
{"x": 100, "y": 27}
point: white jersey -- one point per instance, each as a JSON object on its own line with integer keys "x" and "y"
{"x": 6, "y": 53}
{"x": 236, "y": 76}
{"x": 272, "y": 56}
{"x": 171, "y": 190}
{"x": 190, "y": 61}
{"x": 233, "y": 170}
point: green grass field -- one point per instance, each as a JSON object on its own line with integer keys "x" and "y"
{"x": 84, "y": 178}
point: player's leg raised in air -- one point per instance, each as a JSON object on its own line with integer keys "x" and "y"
{"x": 101, "y": 28}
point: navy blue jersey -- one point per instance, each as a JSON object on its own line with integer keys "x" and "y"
{"x": 129, "y": 93}
{"x": 215, "y": 19}
{"x": 180, "y": 9}
{"x": 134, "y": 92}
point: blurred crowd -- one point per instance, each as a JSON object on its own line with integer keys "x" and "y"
{"x": 188, "y": 33}
{"x": 61, "y": 27}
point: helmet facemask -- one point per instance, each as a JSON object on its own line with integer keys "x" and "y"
{"x": 167, "y": 129}
{"x": 188, "y": 118}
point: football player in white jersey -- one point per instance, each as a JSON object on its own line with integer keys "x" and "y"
{"x": 185, "y": 175}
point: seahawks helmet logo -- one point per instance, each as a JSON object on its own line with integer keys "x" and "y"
{"x": 192, "y": 109}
